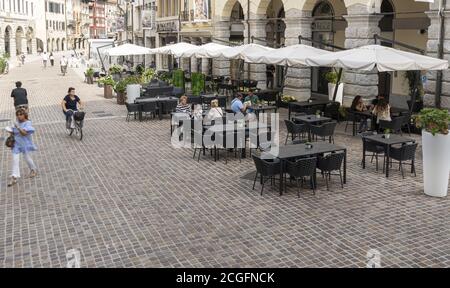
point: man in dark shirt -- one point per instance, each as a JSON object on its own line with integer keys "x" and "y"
{"x": 20, "y": 96}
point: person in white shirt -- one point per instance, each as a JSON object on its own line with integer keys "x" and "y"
{"x": 63, "y": 62}
{"x": 214, "y": 113}
{"x": 45, "y": 59}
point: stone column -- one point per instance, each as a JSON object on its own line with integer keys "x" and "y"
{"x": 12, "y": 44}
{"x": 24, "y": 45}
{"x": 258, "y": 30}
{"x": 359, "y": 32}
{"x": 298, "y": 80}
{"x": 194, "y": 66}
{"x": 221, "y": 32}
{"x": 34, "y": 46}
{"x": 205, "y": 61}
{"x": 432, "y": 50}
{"x": 185, "y": 61}
{"x": 2, "y": 43}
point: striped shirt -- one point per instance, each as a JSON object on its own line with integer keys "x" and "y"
{"x": 183, "y": 108}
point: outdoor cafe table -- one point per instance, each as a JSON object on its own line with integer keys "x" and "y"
{"x": 263, "y": 109}
{"x": 386, "y": 143}
{"x": 311, "y": 120}
{"x": 294, "y": 106}
{"x": 160, "y": 102}
{"x": 299, "y": 150}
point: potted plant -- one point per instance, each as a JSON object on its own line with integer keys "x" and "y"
{"x": 198, "y": 83}
{"x": 178, "y": 78}
{"x": 387, "y": 133}
{"x": 115, "y": 71}
{"x": 436, "y": 150}
{"x": 318, "y": 114}
{"x": 148, "y": 75}
{"x": 108, "y": 84}
{"x": 332, "y": 78}
{"x": 90, "y": 76}
{"x": 121, "y": 88}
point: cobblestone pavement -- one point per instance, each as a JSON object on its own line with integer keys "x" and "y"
{"x": 124, "y": 197}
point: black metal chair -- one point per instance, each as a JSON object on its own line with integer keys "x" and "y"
{"x": 266, "y": 168}
{"x": 132, "y": 110}
{"x": 150, "y": 108}
{"x": 298, "y": 170}
{"x": 351, "y": 118}
{"x": 407, "y": 152}
{"x": 326, "y": 130}
{"x": 294, "y": 130}
{"x": 194, "y": 100}
{"x": 332, "y": 111}
{"x": 407, "y": 121}
{"x": 373, "y": 148}
{"x": 395, "y": 125}
{"x": 330, "y": 163}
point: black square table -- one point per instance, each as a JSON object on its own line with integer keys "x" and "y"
{"x": 311, "y": 120}
{"x": 294, "y": 106}
{"x": 299, "y": 150}
{"x": 386, "y": 143}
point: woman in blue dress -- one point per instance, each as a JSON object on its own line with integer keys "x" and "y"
{"x": 23, "y": 131}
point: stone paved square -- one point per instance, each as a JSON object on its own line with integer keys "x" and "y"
{"x": 124, "y": 197}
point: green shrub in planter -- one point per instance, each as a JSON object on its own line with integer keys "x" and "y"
{"x": 148, "y": 75}
{"x": 90, "y": 75}
{"x": 178, "y": 78}
{"x": 433, "y": 120}
{"x": 115, "y": 69}
{"x": 198, "y": 83}
{"x": 108, "y": 80}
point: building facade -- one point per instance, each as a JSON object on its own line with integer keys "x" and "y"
{"x": 18, "y": 27}
{"x": 56, "y": 27}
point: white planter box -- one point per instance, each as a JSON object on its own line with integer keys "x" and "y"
{"x": 133, "y": 92}
{"x": 340, "y": 92}
{"x": 436, "y": 163}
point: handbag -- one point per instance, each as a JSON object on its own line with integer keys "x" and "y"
{"x": 10, "y": 141}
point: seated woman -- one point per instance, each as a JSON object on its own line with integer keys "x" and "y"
{"x": 183, "y": 106}
{"x": 358, "y": 105}
{"x": 382, "y": 111}
{"x": 214, "y": 113}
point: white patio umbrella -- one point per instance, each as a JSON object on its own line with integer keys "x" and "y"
{"x": 176, "y": 49}
{"x": 294, "y": 55}
{"x": 382, "y": 58}
{"x": 203, "y": 50}
{"x": 127, "y": 50}
{"x": 238, "y": 52}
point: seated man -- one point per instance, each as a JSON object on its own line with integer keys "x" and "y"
{"x": 237, "y": 106}
{"x": 251, "y": 98}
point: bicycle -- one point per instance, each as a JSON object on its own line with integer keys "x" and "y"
{"x": 78, "y": 118}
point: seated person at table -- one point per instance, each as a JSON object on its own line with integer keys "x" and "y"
{"x": 215, "y": 112}
{"x": 251, "y": 98}
{"x": 382, "y": 111}
{"x": 183, "y": 106}
{"x": 376, "y": 100}
{"x": 358, "y": 105}
{"x": 237, "y": 106}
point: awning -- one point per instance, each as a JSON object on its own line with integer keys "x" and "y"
{"x": 127, "y": 50}
{"x": 382, "y": 58}
{"x": 202, "y": 51}
{"x": 176, "y": 49}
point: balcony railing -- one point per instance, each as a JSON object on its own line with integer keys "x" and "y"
{"x": 185, "y": 16}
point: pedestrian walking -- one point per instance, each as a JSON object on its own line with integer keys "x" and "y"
{"x": 45, "y": 59}
{"x": 52, "y": 59}
{"x": 20, "y": 97}
{"x": 22, "y": 144}
{"x": 63, "y": 62}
